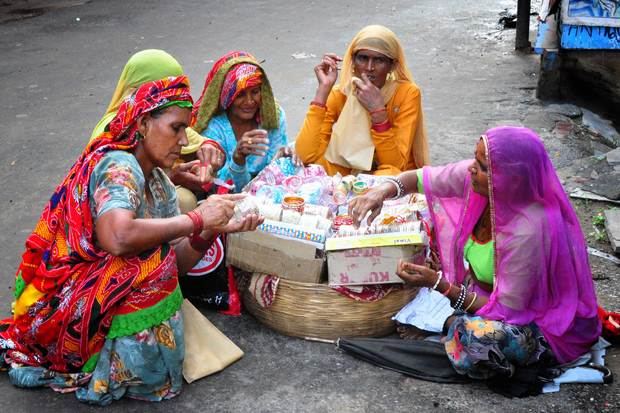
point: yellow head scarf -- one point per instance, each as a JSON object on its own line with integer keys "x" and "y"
{"x": 379, "y": 39}
{"x": 145, "y": 66}
{"x": 354, "y": 120}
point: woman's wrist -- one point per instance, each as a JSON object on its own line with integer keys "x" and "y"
{"x": 444, "y": 287}
{"x": 379, "y": 116}
{"x": 196, "y": 221}
{"x": 199, "y": 243}
{"x": 388, "y": 190}
{"x": 238, "y": 159}
{"x": 322, "y": 92}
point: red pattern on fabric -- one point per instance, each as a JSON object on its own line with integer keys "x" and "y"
{"x": 239, "y": 78}
{"x": 83, "y": 285}
{"x": 369, "y": 293}
{"x": 214, "y": 70}
{"x": 263, "y": 288}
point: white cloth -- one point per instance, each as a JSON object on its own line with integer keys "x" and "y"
{"x": 427, "y": 311}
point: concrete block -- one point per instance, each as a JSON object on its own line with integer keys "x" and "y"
{"x": 612, "y": 225}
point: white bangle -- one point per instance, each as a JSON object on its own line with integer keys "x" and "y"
{"x": 397, "y": 185}
{"x": 439, "y": 277}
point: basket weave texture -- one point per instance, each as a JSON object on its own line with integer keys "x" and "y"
{"x": 316, "y": 311}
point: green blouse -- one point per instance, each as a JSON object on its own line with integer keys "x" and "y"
{"x": 479, "y": 256}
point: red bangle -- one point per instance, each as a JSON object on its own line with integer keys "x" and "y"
{"x": 214, "y": 144}
{"x": 197, "y": 221}
{"x": 381, "y": 127}
{"x": 445, "y": 293}
{"x": 382, "y": 109}
{"x": 199, "y": 243}
{"x": 319, "y": 104}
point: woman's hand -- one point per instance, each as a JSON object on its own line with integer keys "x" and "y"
{"x": 371, "y": 202}
{"x": 217, "y": 210}
{"x": 369, "y": 95}
{"x": 327, "y": 71}
{"x": 248, "y": 223}
{"x": 188, "y": 175}
{"x": 433, "y": 261}
{"x": 254, "y": 142}
{"x": 416, "y": 275}
{"x": 211, "y": 155}
{"x": 288, "y": 152}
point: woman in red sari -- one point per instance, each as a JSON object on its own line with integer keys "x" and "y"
{"x": 97, "y": 295}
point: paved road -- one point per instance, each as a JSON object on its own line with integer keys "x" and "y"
{"x": 59, "y": 71}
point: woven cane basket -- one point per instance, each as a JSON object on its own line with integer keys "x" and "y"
{"x": 316, "y": 311}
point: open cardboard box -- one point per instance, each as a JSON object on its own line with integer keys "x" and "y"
{"x": 372, "y": 259}
{"x": 288, "y": 258}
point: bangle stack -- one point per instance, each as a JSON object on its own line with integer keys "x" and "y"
{"x": 378, "y": 110}
{"x": 398, "y": 184}
{"x": 196, "y": 220}
{"x": 382, "y": 127}
{"x": 319, "y": 104}
{"x": 461, "y": 299}
{"x": 195, "y": 240}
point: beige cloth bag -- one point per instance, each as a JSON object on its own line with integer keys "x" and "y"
{"x": 207, "y": 349}
{"x": 351, "y": 145}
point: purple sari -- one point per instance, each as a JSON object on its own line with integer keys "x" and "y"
{"x": 542, "y": 274}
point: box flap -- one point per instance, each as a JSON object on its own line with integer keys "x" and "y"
{"x": 266, "y": 253}
{"x": 375, "y": 240}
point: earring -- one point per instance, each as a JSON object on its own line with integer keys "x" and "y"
{"x": 139, "y": 136}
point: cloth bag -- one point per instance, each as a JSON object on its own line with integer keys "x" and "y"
{"x": 351, "y": 144}
{"x": 207, "y": 349}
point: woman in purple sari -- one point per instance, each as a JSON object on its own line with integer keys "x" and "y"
{"x": 513, "y": 256}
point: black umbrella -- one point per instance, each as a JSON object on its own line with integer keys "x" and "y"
{"x": 425, "y": 360}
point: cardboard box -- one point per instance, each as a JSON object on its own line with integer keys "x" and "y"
{"x": 292, "y": 259}
{"x": 372, "y": 259}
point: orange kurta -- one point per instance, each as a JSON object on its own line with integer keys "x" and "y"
{"x": 394, "y": 148}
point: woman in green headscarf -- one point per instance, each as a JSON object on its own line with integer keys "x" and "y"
{"x": 147, "y": 66}
{"x": 144, "y": 66}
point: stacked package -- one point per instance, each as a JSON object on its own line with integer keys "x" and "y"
{"x": 308, "y": 209}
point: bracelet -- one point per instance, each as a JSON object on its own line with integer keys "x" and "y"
{"x": 381, "y": 127}
{"x": 381, "y": 109}
{"x": 199, "y": 243}
{"x": 319, "y": 104}
{"x": 472, "y": 302}
{"x": 439, "y": 277}
{"x": 445, "y": 293}
{"x": 215, "y": 144}
{"x": 400, "y": 187}
{"x": 196, "y": 220}
{"x": 462, "y": 294}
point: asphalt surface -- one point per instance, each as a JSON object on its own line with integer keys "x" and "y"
{"x": 60, "y": 64}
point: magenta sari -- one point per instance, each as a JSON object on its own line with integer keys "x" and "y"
{"x": 542, "y": 274}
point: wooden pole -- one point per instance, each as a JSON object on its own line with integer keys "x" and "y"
{"x": 523, "y": 25}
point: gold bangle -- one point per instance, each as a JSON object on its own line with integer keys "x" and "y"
{"x": 472, "y": 302}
